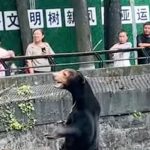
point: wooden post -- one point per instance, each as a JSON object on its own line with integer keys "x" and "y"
{"x": 112, "y": 21}
{"x": 83, "y": 33}
{"x": 25, "y": 31}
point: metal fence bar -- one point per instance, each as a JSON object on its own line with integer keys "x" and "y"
{"x": 59, "y": 55}
{"x": 51, "y": 58}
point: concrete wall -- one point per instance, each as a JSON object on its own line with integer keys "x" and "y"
{"x": 120, "y": 91}
{"x": 116, "y": 133}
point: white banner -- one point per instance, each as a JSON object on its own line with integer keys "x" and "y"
{"x": 1, "y": 22}
{"x": 35, "y": 17}
{"x": 11, "y": 20}
{"x": 141, "y": 14}
{"x": 53, "y": 18}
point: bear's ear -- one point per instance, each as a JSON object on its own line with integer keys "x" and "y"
{"x": 82, "y": 78}
{"x": 66, "y": 73}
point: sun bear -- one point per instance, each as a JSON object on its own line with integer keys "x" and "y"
{"x": 80, "y": 129}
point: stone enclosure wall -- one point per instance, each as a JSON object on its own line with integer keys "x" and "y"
{"x": 123, "y": 94}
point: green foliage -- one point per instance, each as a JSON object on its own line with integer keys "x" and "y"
{"x": 24, "y": 90}
{"x": 26, "y": 107}
{"x": 8, "y": 116}
{"x": 11, "y": 122}
{"x": 14, "y": 124}
{"x": 137, "y": 115}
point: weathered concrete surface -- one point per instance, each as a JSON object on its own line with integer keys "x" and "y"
{"x": 118, "y": 93}
{"x": 125, "y": 132}
{"x": 130, "y": 93}
{"x": 50, "y": 104}
{"x": 116, "y": 133}
{"x": 31, "y": 140}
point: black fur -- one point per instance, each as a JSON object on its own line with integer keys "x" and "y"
{"x": 80, "y": 130}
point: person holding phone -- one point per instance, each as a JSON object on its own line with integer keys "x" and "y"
{"x": 38, "y": 47}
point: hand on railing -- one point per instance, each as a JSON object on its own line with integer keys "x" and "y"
{"x": 11, "y": 53}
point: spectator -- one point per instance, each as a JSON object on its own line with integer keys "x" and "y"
{"x": 122, "y": 44}
{"x": 38, "y": 47}
{"x": 5, "y": 54}
{"x": 143, "y": 41}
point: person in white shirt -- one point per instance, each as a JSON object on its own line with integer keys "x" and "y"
{"x": 5, "y": 54}
{"x": 122, "y": 44}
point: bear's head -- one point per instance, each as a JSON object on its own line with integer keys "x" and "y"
{"x": 80, "y": 89}
{"x": 68, "y": 78}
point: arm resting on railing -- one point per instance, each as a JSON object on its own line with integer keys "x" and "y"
{"x": 29, "y": 64}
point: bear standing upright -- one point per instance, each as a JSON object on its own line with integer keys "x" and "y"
{"x": 80, "y": 130}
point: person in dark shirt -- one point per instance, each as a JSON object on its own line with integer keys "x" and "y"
{"x": 143, "y": 41}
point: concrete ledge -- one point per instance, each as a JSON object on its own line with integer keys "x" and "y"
{"x": 46, "y": 78}
{"x": 118, "y": 90}
{"x": 126, "y": 102}
{"x": 118, "y": 71}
